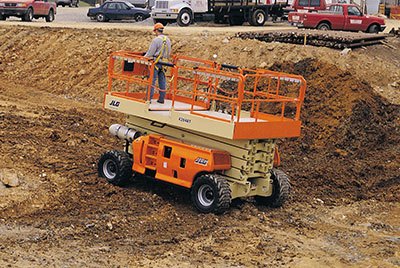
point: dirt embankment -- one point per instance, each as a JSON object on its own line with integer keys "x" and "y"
{"x": 344, "y": 167}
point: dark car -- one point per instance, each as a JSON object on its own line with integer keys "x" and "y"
{"x": 70, "y": 3}
{"x": 118, "y": 10}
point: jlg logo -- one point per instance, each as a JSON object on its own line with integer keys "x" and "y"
{"x": 201, "y": 161}
{"x": 114, "y": 103}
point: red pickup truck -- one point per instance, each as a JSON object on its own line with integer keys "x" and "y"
{"x": 27, "y": 10}
{"x": 347, "y": 17}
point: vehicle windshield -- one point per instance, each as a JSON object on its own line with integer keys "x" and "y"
{"x": 129, "y": 4}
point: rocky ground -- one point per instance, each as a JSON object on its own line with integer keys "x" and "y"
{"x": 54, "y": 211}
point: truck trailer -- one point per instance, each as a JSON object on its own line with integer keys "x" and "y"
{"x": 234, "y": 12}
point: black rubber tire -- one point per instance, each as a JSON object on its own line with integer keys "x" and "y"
{"x": 116, "y": 167}
{"x": 185, "y": 18}
{"x": 280, "y": 190}
{"x": 258, "y": 18}
{"x": 373, "y": 29}
{"x": 139, "y": 17}
{"x": 77, "y": 4}
{"x": 2, "y": 17}
{"x": 70, "y": 5}
{"x": 28, "y": 15}
{"x": 100, "y": 17}
{"x": 211, "y": 193}
{"x": 324, "y": 26}
{"x": 50, "y": 16}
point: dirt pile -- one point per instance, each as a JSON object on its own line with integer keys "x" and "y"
{"x": 351, "y": 137}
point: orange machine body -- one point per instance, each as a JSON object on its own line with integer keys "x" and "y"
{"x": 174, "y": 161}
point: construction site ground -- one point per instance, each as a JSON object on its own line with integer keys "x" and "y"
{"x": 344, "y": 210}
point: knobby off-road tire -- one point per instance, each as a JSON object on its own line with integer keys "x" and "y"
{"x": 116, "y": 167}
{"x": 211, "y": 193}
{"x": 50, "y": 16}
{"x": 280, "y": 190}
{"x": 29, "y": 15}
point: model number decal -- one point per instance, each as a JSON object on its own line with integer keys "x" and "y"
{"x": 201, "y": 161}
{"x": 114, "y": 103}
{"x": 184, "y": 120}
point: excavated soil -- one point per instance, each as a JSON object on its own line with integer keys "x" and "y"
{"x": 344, "y": 209}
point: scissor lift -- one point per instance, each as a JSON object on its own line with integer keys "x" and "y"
{"x": 222, "y": 109}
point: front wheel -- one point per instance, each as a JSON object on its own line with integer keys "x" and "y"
{"x": 50, "y": 16}
{"x": 29, "y": 15}
{"x": 100, "y": 17}
{"x": 280, "y": 190}
{"x": 139, "y": 17}
{"x": 373, "y": 29}
{"x": 184, "y": 18}
{"x": 211, "y": 193}
{"x": 116, "y": 167}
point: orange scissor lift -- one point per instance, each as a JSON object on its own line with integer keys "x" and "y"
{"x": 214, "y": 134}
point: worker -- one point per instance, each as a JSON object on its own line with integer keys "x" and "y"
{"x": 159, "y": 50}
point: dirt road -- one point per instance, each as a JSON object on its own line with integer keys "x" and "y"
{"x": 344, "y": 211}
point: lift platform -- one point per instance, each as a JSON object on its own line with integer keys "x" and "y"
{"x": 206, "y": 97}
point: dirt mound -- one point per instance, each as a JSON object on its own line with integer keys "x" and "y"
{"x": 351, "y": 137}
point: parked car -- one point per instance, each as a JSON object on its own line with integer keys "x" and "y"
{"x": 347, "y": 17}
{"x": 118, "y": 10}
{"x": 27, "y": 10}
{"x": 70, "y": 3}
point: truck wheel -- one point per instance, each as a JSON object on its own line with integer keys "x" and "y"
{"x": 258, "y": 17}
{"x": 373, "y": 29}
{"x": 2, "y": 17}
{"x": 139, "y": 17}
{"x": 100, "y": 17}
{"x": 50, "y": 16}
{"x": 116, "y": 167}
{"x": 324, "y": 26}
{"x": 280, "y": 190}
{"x": 184, "y": 18}
{"x": 28, "y": 15}
{"x": 211, "y": 193}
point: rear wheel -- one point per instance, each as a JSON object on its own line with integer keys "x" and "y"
{"x": 28, "y": 15}
{"x": 116, "y": 167}
{"x": 373, "y": 29}
{"x": 280, "y": 190}
{"x": 184, "y": 18}
{"x": 100, "y": 17}
{"x": 324, "y": 26}
{"x": 258, "y": 18}
{"x": 211, "y": 193}
{"x": 50, "y": 16}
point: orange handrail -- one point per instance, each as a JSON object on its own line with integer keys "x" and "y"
{"x": 205, "y": 83}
